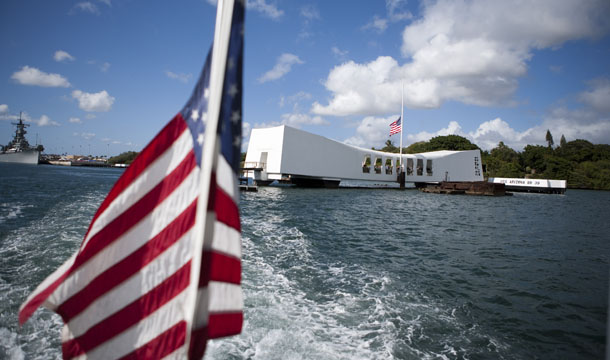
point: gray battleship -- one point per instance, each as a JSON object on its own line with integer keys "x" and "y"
{"x": 19, "y": 150}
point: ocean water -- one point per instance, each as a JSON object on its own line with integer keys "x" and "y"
{"x": 353, "y": 273}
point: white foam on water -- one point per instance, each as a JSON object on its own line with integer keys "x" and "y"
{"x": 28, "y": 254}
{"x": 282, "y": 321}
{"x": 9, "y": 348}
{"x": 10, "y": 211}
{"x": 358, "y": 313}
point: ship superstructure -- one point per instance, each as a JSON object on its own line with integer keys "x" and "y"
{"x": 19, "y": 150}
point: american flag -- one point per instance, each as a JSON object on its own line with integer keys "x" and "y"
{"x": 158, "y": 272}
{"x": 395, "y": 127}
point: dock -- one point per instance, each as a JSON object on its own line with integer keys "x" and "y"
{"x": 244, "y": 186}
{"x": 466, "y": 188}
{"x": 545, "y": 186}
{"x": 252, "y": 188}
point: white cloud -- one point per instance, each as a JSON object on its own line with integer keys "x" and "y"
{"x": 179, "y": 76}
{"x": 266, "y": 9}
{"x": 90, "y": 116}
{"x": 591, "y": 122}
{"x": 84, "y": 135}
{"x": 372, "y": 88}
{"x": 104, "y": 67}
{"x": 246, "y": 128}
{"x": 310, "y": 12}
{"x": 378, "y": 23}
{"x": 87, "y": 6}
{"x": 45, "y": 121}
{"x": 372, "y": 131}
{"x": 297, "y": 120}
{"x": 295, "y": 99}
{"x": 5, "y": 115}
{"x": 340, "y": 54}
{"x": 32, "y": 76}
{"x": 61, "y": 55}
{"x": 599, "y": 96}
{"x": 75, "y": 120}
{"x": 282, "y": 67}
{"x": 395, "y": 11}
{"x": 486, "y": 57}
{"x": 491, "y": 132}
{"x": 573, "y": 124}
{"x": 585, "y": 124}
{"x": 453, "y": 128}
{"x": 261, "y": 6}
{"x": 101, "y": 101}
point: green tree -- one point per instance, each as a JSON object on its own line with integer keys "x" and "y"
{"x": 578, "y": 151}
{"x": 389, "y": 147}
{"x": 502, "y": 161}
{"x": 505, "y": 153}
{"x": 416, "y": 147}
{"x": 549, "y": 138}
{"x": 562, "y": 141}
{"x": 534, "y": 157}
{"x": 450, "y": 142}
{"x": 123, "y": 158}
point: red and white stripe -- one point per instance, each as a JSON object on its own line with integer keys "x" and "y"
{"x": 219, "y": 300}
{"x": 124, "y": 294}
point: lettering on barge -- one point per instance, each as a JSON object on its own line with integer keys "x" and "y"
{"x": 521, "y": 182}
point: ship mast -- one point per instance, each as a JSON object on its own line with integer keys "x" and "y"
{"x": 19, "y": 142}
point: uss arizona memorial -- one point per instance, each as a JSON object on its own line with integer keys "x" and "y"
{"x": 297, "y": 157}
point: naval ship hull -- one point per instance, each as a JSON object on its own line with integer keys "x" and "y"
{"x": 21, "y": 157}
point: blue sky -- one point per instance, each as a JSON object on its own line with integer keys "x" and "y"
{"x": 104, "y": 76}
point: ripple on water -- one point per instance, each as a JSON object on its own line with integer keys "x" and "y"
{"x": 353, "y": 274}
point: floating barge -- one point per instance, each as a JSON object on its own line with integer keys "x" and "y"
{"x": 466, "y": 188}
{"x": 545, "y": 186}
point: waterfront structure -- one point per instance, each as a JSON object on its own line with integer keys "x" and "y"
{"x": 294, "y": 156}
{"x": 19, "y": 150}
{"x": 547, "y": 186}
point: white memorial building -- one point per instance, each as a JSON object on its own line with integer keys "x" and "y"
{"x": 297, "y": 157}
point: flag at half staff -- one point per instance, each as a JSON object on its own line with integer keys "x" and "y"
{"x": 395, "y": 127}
{"x": 159, "y": 271}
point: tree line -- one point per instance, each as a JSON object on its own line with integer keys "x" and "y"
{"x": 123, "y": 158}
{"x": 584, "y": 165}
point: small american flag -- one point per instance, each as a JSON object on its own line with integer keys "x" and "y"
{"x": 158, "y": 272}
{"x": 395, "y": 127}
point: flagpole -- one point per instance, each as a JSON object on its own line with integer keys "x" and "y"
{"x": 222, "y": 32}
{"x": 402, "y": 122}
